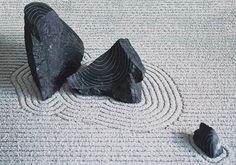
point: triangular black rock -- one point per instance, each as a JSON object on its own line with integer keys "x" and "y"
{"x": 117, "y": 73}
{"x": 208, "y": 141}
{"x": 53, "y": 49}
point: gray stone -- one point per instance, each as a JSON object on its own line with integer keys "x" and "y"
{"x": 117, "y": 73}
{"x": 53, "y": 49}
{"x": 208, "y": 141}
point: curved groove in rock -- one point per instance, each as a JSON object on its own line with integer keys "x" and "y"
{"x": 35, "y": 11}
{"x": 119, "y": 68}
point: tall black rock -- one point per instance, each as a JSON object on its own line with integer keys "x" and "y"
{"x": 53, "y": 49}
{"x": 117, "y": 73}
{"x": 208, "y": 141}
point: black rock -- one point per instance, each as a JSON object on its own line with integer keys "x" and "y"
{"x": 53, "y": 49}
{"x": 208, "y": 141}
{"x": 117, "y": 73}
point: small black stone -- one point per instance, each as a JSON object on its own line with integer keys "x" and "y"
{"x": 53, "y": 49}
{"x": 117, "y": 73}
{"x": 208, "y": 141}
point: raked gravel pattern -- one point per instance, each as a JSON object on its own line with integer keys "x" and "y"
{"x": 188, "y": 49}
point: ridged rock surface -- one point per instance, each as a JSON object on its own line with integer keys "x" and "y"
{"x": 117, "y": 73}
{"x": 208, "y": 141}
{"x": 53, "y": 49}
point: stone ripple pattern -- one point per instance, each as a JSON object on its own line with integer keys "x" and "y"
{"x": 160, "y": 106}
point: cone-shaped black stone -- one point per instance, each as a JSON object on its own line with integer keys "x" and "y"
{"x": 208, "y": 141}
{"x": 117, "y": 73}
{"x": 53, "y": 49}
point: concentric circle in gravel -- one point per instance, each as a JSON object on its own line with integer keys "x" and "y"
{"x": 160, "y": 106}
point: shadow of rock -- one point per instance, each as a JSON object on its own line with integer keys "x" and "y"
{"x": 12, "y": 54}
